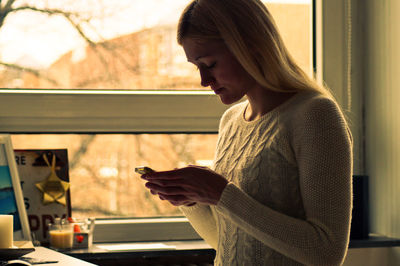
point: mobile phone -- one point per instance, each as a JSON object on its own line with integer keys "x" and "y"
{"x": 143, "y": 170}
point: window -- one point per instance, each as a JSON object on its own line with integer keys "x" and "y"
{"x": 103, "y": 183}
{"x": 123, "y": 45}
{"x": 109, "y": 73}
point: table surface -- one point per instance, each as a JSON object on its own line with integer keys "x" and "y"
{"x": 109, "y": 250}
{"x": 194, "y": 247}
{"x": 46, "y": 254}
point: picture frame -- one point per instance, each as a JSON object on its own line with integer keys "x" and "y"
{"x": 11, "y": 197}
{"x": 35, "y": 166}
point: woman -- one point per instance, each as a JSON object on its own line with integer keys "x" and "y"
{"x": 279, "y": 192}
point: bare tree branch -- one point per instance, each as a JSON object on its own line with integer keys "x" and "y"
{"x": 83, "y": 147}
{"x": 70, "y": 16}
{"x": 4, "y": 11}
{"x": 9, "y": 4}
{"x": 77, "y": 21}
{"x": 93, "y": 175}
{"x": 35, "y": 72}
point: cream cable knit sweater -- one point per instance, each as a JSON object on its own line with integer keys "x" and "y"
{"x": 288, "y": 200}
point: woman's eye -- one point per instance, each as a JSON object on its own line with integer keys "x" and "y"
{"x": 204, "y": 66}
{"x": 211, "y": 66}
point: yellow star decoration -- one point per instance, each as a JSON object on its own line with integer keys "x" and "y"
{"x": 54, "y": 189}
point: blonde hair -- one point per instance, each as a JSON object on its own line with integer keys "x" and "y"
{"x": 250, "y": 33}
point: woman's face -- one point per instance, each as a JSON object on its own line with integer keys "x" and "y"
{"x": 219, "y": 69}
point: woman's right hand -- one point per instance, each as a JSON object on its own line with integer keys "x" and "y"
{"x": 188, "y": 185}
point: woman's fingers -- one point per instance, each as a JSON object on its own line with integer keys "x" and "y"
{"x": 177, "y": 200}
{"x": 163, "y": 175}
{"x": 170, "y": 183}
{"x": 166, "y": 190}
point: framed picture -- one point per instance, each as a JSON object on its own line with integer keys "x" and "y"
{"x": 11, "y": 197}
{"x": 44, "y": 178}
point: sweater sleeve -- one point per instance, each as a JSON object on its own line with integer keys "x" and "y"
{"x": 202, "y": 219}
{"x": 323, "y": 149}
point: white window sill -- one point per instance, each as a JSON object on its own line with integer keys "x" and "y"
{"x": 150, "y": 229}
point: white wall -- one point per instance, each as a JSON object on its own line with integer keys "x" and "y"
{"x": 382, "y": 118}
{"x": 383, "y": 114}
{"x": 373, "y": 107}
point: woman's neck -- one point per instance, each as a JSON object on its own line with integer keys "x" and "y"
{"x": 262, "y": 101}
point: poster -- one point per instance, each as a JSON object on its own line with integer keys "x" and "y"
{"x": 45, "y": 185}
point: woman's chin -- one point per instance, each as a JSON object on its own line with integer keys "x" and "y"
{"x": 228, "y": 100}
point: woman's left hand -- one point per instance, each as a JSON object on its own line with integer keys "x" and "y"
{"x": 187, "y": 185}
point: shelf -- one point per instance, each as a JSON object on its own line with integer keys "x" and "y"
{"x": 196, "y": 249}
{"x": 374, "y": 241}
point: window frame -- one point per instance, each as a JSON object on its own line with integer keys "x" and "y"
{"x": 71, "y": 111}
{"x": 95, "y": 111}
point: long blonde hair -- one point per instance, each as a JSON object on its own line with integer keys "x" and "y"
{"x": 250, "y": 33}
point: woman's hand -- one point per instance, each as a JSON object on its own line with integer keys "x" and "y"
{"x": 186, "y": 186}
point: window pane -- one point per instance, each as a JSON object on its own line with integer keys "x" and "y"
{"x": 125, "y": 44}
{"x": 101, "y": 168}
{"x": 294, "y": 20}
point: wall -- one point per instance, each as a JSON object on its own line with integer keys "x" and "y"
{"x": 372, "y": 108}
{"x": 382, "y": 114}
{"x": 382, "y": 121}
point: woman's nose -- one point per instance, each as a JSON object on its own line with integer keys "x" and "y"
{"x": 206, "y": 78}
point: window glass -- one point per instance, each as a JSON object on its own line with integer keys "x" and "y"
{"x": 121, "y": 45}
{"x": 124, "y": 44}
{"x": 101, "y": 168}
